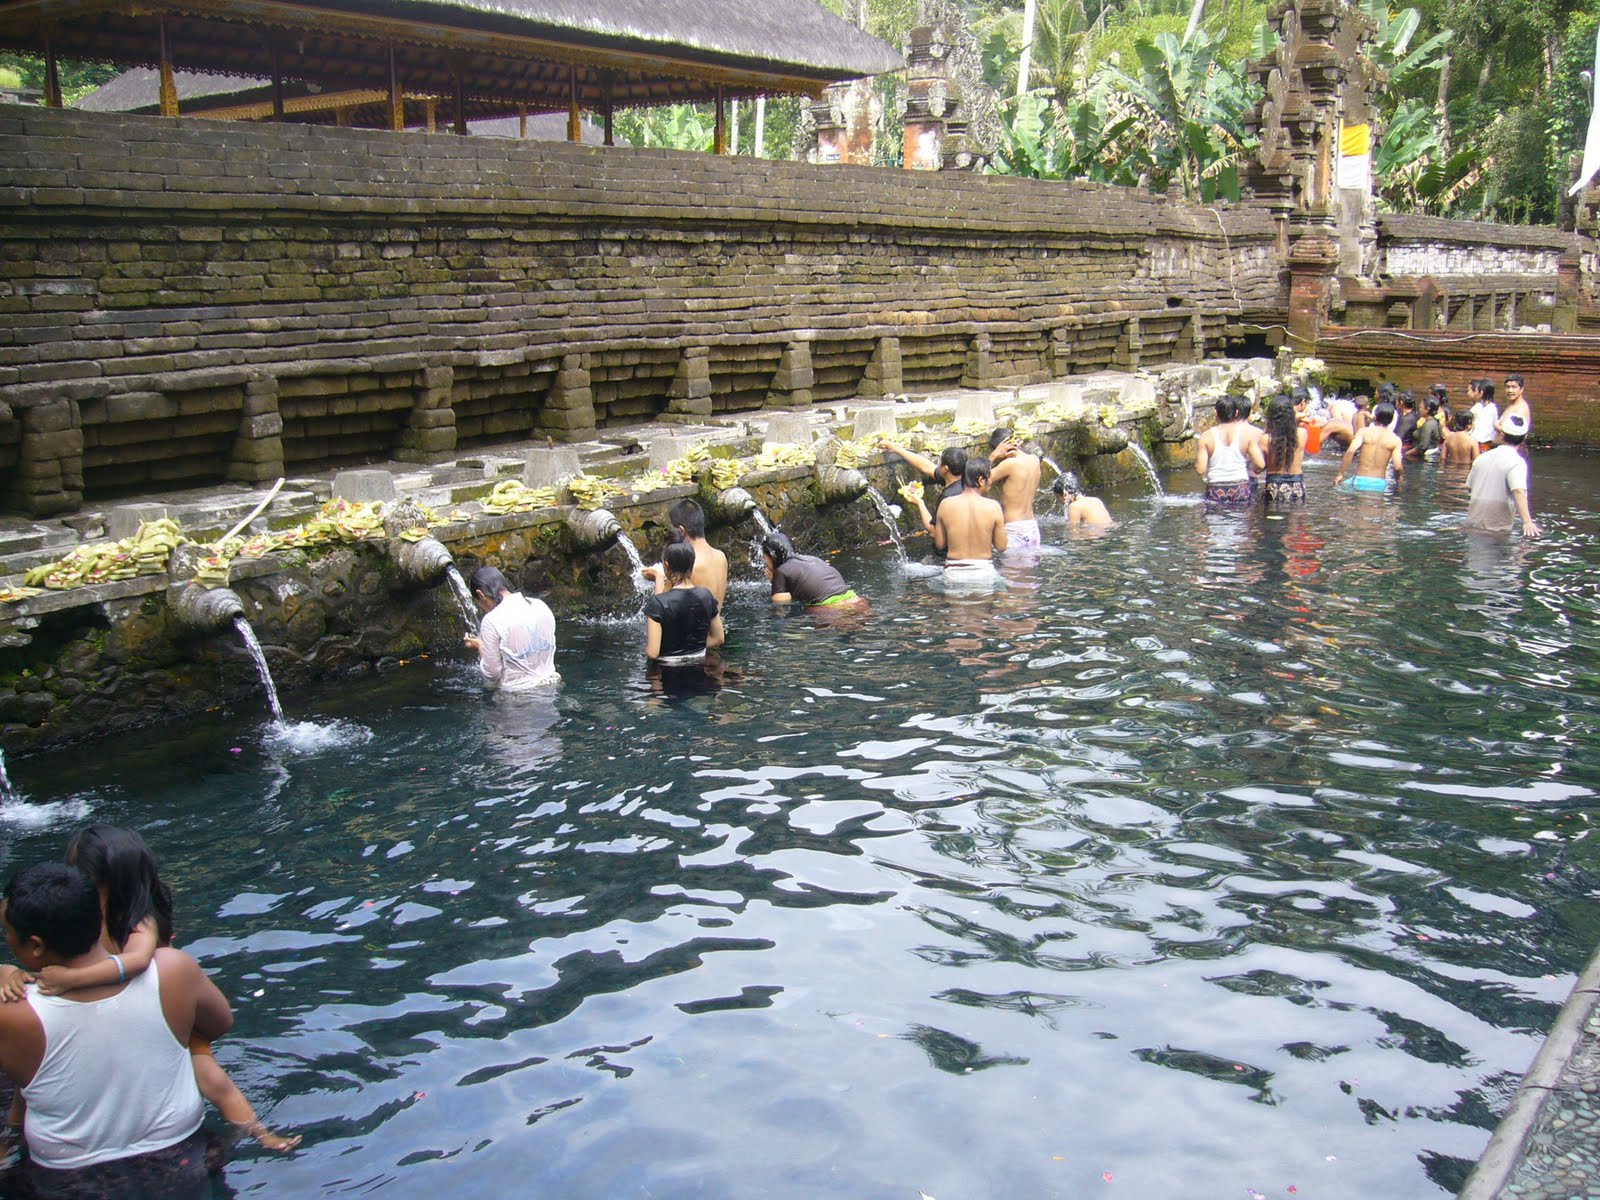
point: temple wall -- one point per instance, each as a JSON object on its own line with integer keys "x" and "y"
{"x": 184, "y": 302}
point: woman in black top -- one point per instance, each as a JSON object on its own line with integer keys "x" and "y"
{"x": 804, "y": 577}
{"x": 680, "y": 619}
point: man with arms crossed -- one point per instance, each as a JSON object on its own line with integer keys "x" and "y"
{"x": 105, "y": 1070}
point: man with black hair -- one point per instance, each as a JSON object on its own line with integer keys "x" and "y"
{"x": 1517, "y": 406}
{"x": 688, "y": 521}
{"x": 1014, "y": 473}
{"x": 105, "y": 1070}
{"x": 1376, "y": 452}
{"x": 969, "y": 528}
{"x": 1497, "y": 485}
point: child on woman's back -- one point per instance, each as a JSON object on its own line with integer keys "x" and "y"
{"x": 136, "y": 909}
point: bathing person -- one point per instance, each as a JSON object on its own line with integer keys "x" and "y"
{"x": 949, "y": 473}
{"x": 1406, "y": 427}
{"x": 105, "y": 1069}
{"x": 1498, "y": 483}
{"x": 1245, "y": 405}
{"x": 682, "y": 619}
{"x": 1014, "y": 473}
{"x": 1363, "y": 415}
{"x": 1517, "y": 406}
{"x": 1460, "y": 448}
{"x": 1304, "y": 418}
{"x": 1376, "y": 451}
{"x": 1430, "y": 432}
{"x": 1286, "y": 446}
{"x": 1340, "y": 428}
{"x": 1484, "y": 412}
{"x": 1081, "y": 509}
{"x": 1446, "y": 414}
{"x": 804, "y": 577}
{"x": 688, "y": 520}
{"x": 969, "y": 528}
{"x": 1224, "y": 454}
{"x": 516, "y": 641}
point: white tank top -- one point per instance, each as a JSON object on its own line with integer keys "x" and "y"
{"x": 1227, "y": 462}
{"x": 114, "y": 1081}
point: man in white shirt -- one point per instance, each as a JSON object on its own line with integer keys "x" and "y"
{"x": 1498, "y": 483}
{"x": 516, "y": 642}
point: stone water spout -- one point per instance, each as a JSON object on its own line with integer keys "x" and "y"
{"x": 205, "y": 610}
{"x": 593, "y": 528}
{"x": 839, "y": 485}
{"x": 731, "y": 506}
{"x": 423, "y": 561}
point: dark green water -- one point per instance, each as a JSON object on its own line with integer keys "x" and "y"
{"x": 1220, "y": 854}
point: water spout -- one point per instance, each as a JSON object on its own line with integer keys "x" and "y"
{"x": 421, "y": 562}
{"x": 731, "y": 506}
{"x": 887, "y": 514}
{"x": 1143, "y": 458}
{"x": 248, "y": 636}
{"x": 593, "y": 528}
{"x": 839, "y": 485}
{"x": 636, "y": 568}
{"x": 205, "y": 610}
{"x": 7, "y": 792}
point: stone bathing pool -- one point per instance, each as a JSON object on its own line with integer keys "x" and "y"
{"x": 1221, "y": 855}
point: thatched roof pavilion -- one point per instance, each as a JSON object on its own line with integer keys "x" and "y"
{"x": 238, "y": 98}
{"x": 486, "y": 57}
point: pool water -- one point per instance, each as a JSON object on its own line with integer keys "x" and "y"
{"x": 1222, "y": 853}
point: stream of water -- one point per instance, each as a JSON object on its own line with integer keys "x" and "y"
{"x": 253, "y": 647}
{"x": 1143, "y": 458}
{"x": 463, "y": 596}
{"x": 1222, "y": 853}
{"x": 886, "y": 514}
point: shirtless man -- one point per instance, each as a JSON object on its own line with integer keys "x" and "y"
{"x": 1081, "y": 510}
{"x": 969, "y": 528}
{"x": 710, "y": 564}
{"x": 1015, "y": 475}
{"x": 1376, "y": 450}
{"x": 1516, "y": 406}
{"x": 1460, "y": 448}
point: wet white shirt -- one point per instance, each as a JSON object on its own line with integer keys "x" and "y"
{"x": 1494, "y": 476}
{"x": 518, "y": 644}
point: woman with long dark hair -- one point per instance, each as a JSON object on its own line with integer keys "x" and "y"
{"x": 1286, "y": 448}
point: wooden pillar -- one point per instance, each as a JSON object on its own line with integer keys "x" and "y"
{"x": 430, "y": 111}
{"x": 461, "y": 104}
{"x": 522, "y": 120}
{"x": 277, "y": 85}
{"x": 52, "y": 77}
{"x": 397, "y": 102}
{"x": 341, "y": 117}
{"x": 719, "y": 141}
{"x": 609, "y": 104}
{"x": 574, "y": 129}
{"x": 169, "y": 86}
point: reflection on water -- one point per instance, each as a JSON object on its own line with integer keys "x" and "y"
{"x": 1216, "y": 853}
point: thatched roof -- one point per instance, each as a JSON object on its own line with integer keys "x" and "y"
{"x": 517, "y": 51}
{"x": 241, "y": 98}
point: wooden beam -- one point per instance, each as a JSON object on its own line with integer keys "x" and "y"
{"x": 719, "y": 139}
{"x": 461, "y": 104}
{"x": 397, "y": 100}
{"x": 169, "y": 86}
{"x": 610, "y": 104}
{"x": 261, "y": 110}
{"x": 277, "y": 84}
{"x": 430, "y": 114}
{"x": 574, "y": 126}
{"x": 341, "y": 116}
{"x": 52, "y": 76}
{"x": 522, "y": 120}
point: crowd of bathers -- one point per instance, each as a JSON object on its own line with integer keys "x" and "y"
{"x": 1378, "y": 436}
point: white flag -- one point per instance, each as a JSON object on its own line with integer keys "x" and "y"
{"x": 1591, "y": 147}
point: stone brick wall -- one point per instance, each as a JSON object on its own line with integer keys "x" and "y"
{"x": 183, "y": 302}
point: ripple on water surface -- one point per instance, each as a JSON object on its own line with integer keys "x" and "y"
{"x": 1216, "y": 854}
